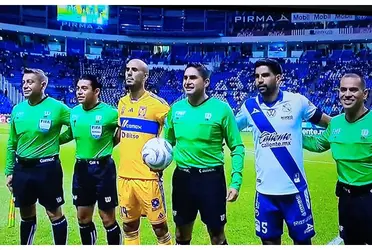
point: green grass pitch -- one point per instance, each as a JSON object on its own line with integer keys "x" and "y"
{"x": 240, "y": 228}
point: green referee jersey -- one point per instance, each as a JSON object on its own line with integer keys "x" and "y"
{"x": 351, "y": 146}
{"x": 93, "y": 131}
{"x": 197, "y": 134}
{"x": 34, "y": 130}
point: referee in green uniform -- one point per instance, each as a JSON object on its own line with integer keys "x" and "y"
{"x": 33, "y": 168}
{"x": 197, "y": 127}
{"x": 93, "y": 126}
{"x": 349, "y": 136}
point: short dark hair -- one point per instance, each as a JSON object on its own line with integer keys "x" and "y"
{"x": 203, "y": 71}
{"x": 272, "y": 64}
{"x": 356, "y": 75}
{"x": 93, "y": 81}
{"x": 38, "y": 72}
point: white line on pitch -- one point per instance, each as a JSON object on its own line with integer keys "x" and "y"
{"x": 335, "y": 241}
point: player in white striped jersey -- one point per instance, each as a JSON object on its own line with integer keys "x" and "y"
{"x": 281, "y": 188}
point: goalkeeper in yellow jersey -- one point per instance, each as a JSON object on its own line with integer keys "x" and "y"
{"x": 140, "y": 190}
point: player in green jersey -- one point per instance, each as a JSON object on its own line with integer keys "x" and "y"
{"x": 350, "y": 139}
{"x": 197, "y": 127}
{"x": 33, "y": 168}
{"x": 93, "y": 126}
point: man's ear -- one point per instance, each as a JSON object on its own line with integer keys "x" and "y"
{"x": 207, "y": 82}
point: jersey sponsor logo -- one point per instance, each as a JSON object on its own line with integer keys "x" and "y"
{"x": 207, "y": 116}
{"x": 303, "y": 221}
{"x": 47, "y": 160}
{"x": 255, "y": 111}
{"x": 271, "y": 113}
{"x": 47, "y": 113}
{"x": 139, "y": 125}
{"x": 155, "y": 204}
{"x": 142, "y": 111}
{"x": 274, "y": 139}
{"x": 129, "y": 135}
{"x": 161, "y": 216}
{"x": 96, "y": 131}
{"x": 59, "y": 199}
{"x": 130, "y": 110}
{"x": 45, "y": 125}
{"x": 287, "y": 117}
{"x": 74, "y": 197}
{"x": 108, "y": 199}
{"x": 300, "y": 205}
{"x": 179, "y": 114}
{"x": 309, "y": 228}
{"x": 307, "y": 198}
{"x": 336, "y": 131}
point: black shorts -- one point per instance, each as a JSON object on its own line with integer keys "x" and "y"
{"x": 95, "y": 181}
{"x": 201, "y": 190}
{"x": 355, "y": 213}
{"x": 38, "y": 179}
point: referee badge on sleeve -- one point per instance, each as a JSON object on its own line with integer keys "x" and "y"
{"x": 96, "y": 131}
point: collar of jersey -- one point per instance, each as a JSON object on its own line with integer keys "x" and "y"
{"x": 143, "y": 96}
{"x": 271, "y": 104}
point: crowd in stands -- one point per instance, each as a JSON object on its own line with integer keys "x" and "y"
{"x": 232, "y": 81}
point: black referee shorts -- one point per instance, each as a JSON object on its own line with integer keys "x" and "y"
{"x": 38, "y": 179}
{"x": 355, "y": 213}
{"x": 202, "y": 190}
{"x": 95, "y": 181}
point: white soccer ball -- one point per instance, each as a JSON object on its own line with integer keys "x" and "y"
{"x": 157, "y": 153}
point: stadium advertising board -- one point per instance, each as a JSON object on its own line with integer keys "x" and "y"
{"x": 266, "y": 33}
{"x": 260, "y": 18}
{"x": 86, "y": 14}
{"x": 4, "y": 118}
{"x": 310, "y": 32}
{"x": 362, "y": 30}
{"x": 314, "y": 17}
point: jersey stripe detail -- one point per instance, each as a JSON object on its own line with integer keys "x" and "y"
{"x": 139, "y": 125}
{"x": 158, "y": 98}
{"x": 282, "y": 154}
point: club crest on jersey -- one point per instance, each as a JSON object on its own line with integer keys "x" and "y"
{"x": 287, "y": 108}
{"x": 45, "y": 125}
{"x": 271, "y": 112}
{"x": 207, "y": 116}
{"x": 364, "y": 133}
{"x": 142, "y": 111}
{"x": 96, "y": 131}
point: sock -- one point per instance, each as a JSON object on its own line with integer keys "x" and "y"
{"x": 88, "y": 233}
{"x": 131, "y": 238}
{"x": 27, "y": 231}
{"x": 60, "y": 231}
{"x": 165, "y": 239}
{"x": 183, "y": 242}
{"x": 225, "y": 242}
{"x": 114, "y": 234}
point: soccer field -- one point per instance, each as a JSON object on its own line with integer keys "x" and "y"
{"x": 240, "y": 228}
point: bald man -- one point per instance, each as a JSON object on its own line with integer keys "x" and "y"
{"x": 140, "y": 190}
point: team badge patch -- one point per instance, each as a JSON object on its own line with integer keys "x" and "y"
{"x": 155, "y": 203}
{"x": 142, "y": 111}
{"x": 96, "y": 131}
{"x": 45, "y": 125}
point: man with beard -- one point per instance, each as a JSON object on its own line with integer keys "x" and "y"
{"x": 281, "y": 188}
{"x": 140, "y": 190}
{"x": 350, "y": 139}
